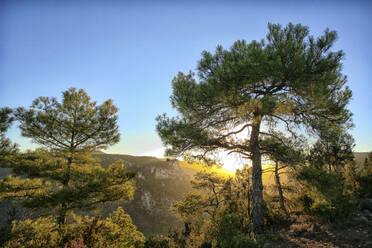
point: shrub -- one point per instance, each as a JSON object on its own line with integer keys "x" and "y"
{"x": 116, "y": 231}
{"x": 324, "y": 194}
{"x": 37, "y": 233}
{"x": 273, "y": 215}
{"x": 157, "y": 241}
{"x": 232, "y": 231}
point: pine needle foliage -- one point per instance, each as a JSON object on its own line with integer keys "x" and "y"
{"x": 291, "y": 80}
{"x": 62, "y": 176}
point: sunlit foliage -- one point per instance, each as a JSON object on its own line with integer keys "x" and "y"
{"x": 116, "y": 231}
{"x": 216, "y": 214}
{"x": 290, "y": 80}
{"x": 62, "y": 177}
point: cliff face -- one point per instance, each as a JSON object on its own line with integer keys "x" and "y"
{"x": 359, "y": 158}
{"x": 158, "y": 184}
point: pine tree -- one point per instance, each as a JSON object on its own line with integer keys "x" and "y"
{"x": 365, "y": 178}
{"x": 291, "y": 80}
{"x": 286, "y": 154}
{"x": 7, "y": 149}
{"x": 62, "y": 176}
{"x": 333, "y": 150}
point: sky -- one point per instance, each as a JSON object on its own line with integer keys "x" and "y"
{"x": 130, "y": 51}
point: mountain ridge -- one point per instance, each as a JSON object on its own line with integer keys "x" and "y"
{"x": 159, "y": 183}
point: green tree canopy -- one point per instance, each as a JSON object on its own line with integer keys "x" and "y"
{"x": 286, "y": 153}
{"x": 62, "y": 176}
{"x": 76, "y": 124}
{"x": 6, "y": 147}
{"x": 290, "y": 81}
{"x": 217, "y": 212}
{"x": 334, "y": 150}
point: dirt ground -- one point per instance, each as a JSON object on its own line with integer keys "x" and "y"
{"x": 309, "y": 233}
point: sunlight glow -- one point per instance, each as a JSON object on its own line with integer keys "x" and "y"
{"x": 158, "y": 152}
{"x": 232, "y": 162}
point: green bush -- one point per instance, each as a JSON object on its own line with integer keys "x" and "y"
{"x": 34, "y": 234}
{"x": 324, "y": 194}
{"x": 273, "y": 215}
{"x": 232, "y": 231}
{"x": 116, "y": 231}
{"x": 365, "y": 178}
{"x": 157, "y": 241}
{"x": 243, "y": 241}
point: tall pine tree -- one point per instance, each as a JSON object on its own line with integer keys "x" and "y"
{"x": 290, "y": 81}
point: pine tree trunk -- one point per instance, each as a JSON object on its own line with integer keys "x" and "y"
{"x": 62, "y": 215}
{"x": 257, "y": 199}
{"x": 280, "y": 190}
{"x": 63, "y": 212}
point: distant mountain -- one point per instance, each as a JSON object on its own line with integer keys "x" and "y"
{"x": 158, "y": 184}
{"x": 99, "y": 152}
{"x": 359, "y": 157}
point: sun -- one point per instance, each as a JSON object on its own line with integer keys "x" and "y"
{"x": 231, "y": 162}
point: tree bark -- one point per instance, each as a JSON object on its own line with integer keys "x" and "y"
{"x": 257, "y": 199}
{"x": 280, "y": 190}
{"x": 63, "y": 212}
{"x": 62, "y": 215}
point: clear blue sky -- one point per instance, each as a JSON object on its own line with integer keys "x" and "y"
{"x": 130, "y": 51}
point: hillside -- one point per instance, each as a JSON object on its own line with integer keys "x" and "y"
{"x": 158, "y": 184}
{"x": 359, "y": 157}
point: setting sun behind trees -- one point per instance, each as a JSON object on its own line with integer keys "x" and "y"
{"x": 254, "y": 149}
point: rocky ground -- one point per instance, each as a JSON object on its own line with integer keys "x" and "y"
{"x": 308, "y": 232}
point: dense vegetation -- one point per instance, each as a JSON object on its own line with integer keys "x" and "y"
{"x": 258, "y": 99}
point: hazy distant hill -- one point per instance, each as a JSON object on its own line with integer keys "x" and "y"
{"x": 158, "y": 184}
{"x": 359, "y": 157}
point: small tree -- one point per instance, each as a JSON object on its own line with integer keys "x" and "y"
{"x": 7, "y": 152}
{"x": 286, "y": 154}
{"x": 63, "y": 176}
{"x": 6, "y": 147}
{"x": 217, "y": 213}
{"x": 359, "y": 179}
{"x": 290, "y": 81}
{"x": 325, "y": 178}
{"x": 365, "y": 178}
{"x": 333, "y": 150}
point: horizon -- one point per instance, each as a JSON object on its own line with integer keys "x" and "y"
{"x": 129, "y": 52}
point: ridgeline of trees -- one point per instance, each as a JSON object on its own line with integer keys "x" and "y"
{"x": 260, "y": 100}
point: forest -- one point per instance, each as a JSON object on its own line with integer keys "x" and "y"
{"x": 282, "y": 99}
